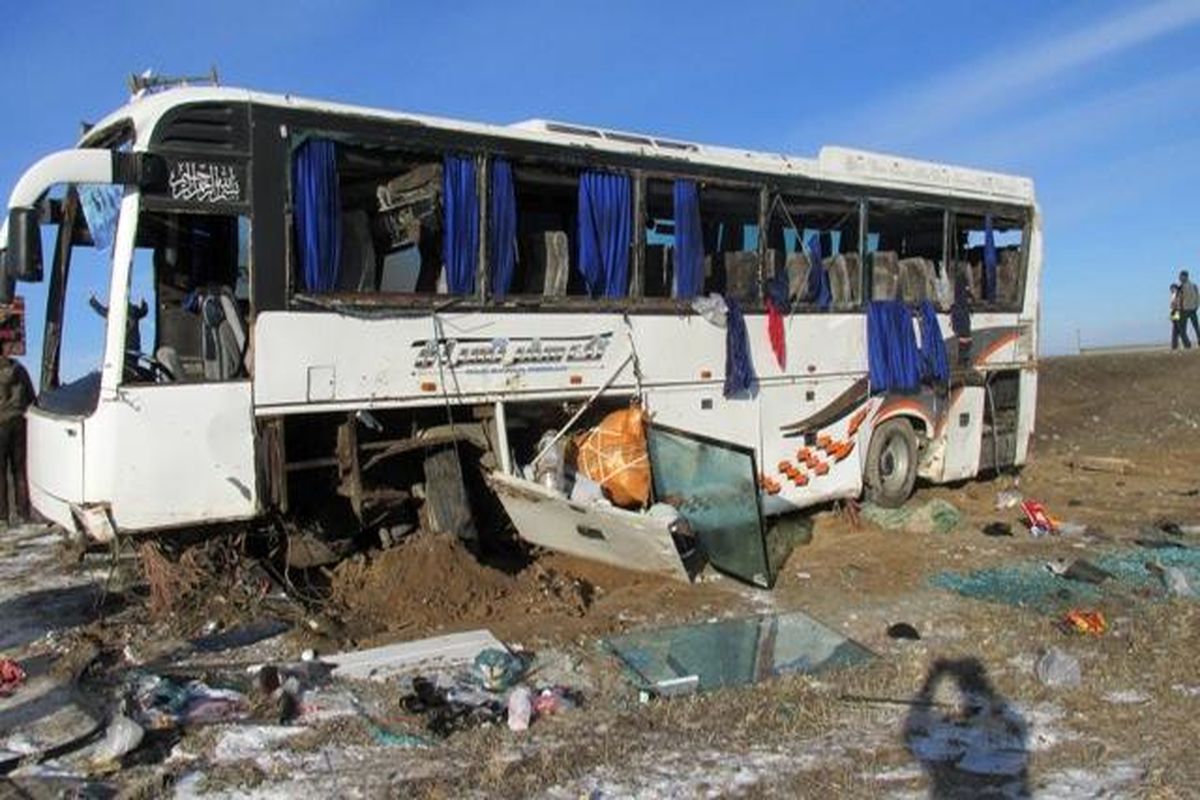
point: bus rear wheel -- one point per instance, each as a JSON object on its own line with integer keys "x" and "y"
{"x": 891, "y": 469}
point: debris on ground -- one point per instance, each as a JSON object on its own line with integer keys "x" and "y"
{"x": 12, "y": 675}
{"x": 440, "y": 653}
{"x": 1058, "y": 669}
{"x": 161, "y": 703}
{"x": 1118, "y": 466}
{"x": 498, "y": 669}
{"x": 998, "y": 528}
{"x": 1037, "y": 518}
{"x": 1007, "y": 499}
{"x": 1078, "y": 570}
{"x": 1033, "y": 586}
{"x": 520, "y": 709}
{"x": 1174, "y": 579}
{"x": 934, "y": 516}
{"x": 122, "y": 736}
{"x": 903, "y": 630}
{"x": 1091, "y": 623}
{"x": 733, "y": 652}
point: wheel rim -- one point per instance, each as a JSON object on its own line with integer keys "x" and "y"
{"x": 893, "y": 465}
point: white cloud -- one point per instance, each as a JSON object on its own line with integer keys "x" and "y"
{"x": 1018, "y": 146}
{"x": 1009, "y": 76}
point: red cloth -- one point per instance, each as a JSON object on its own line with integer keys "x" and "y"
{"x": 775, "y": 332}
{"x": 11, "y": 676}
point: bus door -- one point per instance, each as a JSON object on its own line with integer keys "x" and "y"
{"x": 175, "y": 423}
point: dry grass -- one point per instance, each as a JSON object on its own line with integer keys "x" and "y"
{"x": 169, "y": 582}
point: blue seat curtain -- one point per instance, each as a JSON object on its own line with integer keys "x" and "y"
{"x": 689, "y": 241}
{"x": 818, "y": 277}
{"x": 739, "y": 368}
{"x": 317, "y": 209}
{"x": 935, "y": 366}
{"x": 502, "y": 228}
{"x": 460, "y": 229}
{"x": 989, "y": 260}
{"x": 605, "y": 221}
{"x": 893, "y": 360}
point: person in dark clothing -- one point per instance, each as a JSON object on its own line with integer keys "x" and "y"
{"x": 1189, "y": 301}
{"x": 133, "y": 318}
{"x": 16, "y": 394}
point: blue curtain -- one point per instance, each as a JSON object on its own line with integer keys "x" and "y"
{"x": 604, "y": 227}
{"x": 689, "y": 241}
{"x": 818, "y": 277}
{"x": 934, "y": 364}
{"x": 460, "y": 230}
{"x": 989, "y": 260}
{"x": 892, "y": 356}
{"x": 502, "y": 228}
{"x": 739, "y": 369}
{"x": 317, "y": 207}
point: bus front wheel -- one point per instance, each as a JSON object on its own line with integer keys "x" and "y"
{"x": 891, "y": 469}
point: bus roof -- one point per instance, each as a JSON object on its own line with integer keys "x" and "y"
{"x": 838, "y": 164}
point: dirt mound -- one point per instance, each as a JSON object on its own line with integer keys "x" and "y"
{"x": 427, "y": 580}
{"x": 431, "y": 583}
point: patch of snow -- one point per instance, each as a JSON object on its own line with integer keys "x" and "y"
{"x": 1127, "y": 697}
{"x": 1073, "y": 784}
{"x": 249, "y": 741}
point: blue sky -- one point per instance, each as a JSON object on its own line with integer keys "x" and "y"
{"x": 1096, "y": 101}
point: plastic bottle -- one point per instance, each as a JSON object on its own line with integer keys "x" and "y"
{"x": 520, "y": 709}
{"x": 548, "y": 471}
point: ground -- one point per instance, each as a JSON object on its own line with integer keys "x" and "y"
{"x": 892, "y": 727}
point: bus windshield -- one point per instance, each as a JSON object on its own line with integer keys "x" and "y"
{"x": 77, "y": 296}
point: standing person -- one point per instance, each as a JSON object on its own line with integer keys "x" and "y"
{"x": 1178, "y": 331}
{"x": 1189, "y": 301}
{"x": 16, "y": 393}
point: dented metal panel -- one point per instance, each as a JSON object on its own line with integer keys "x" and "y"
{"x": 602, "y": 533}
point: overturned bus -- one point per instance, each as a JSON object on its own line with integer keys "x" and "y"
{"x": 346, "y": 317}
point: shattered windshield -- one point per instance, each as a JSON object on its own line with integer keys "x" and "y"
{"x": 81, "y": 246}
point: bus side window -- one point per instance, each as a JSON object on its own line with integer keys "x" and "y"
{"x": 547, "y": 201}
{"x": 803, "y": 228}
{"x": 729, "y": 218}
{"x": 970, "y": 256}
{"x": 389, "y": 217}
{"x": 905, "y": 244}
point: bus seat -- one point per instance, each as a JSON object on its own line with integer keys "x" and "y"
{"x": 169, "y": 358}
{"x": 854, "y": 275}
{"x": 839, "y": 282}
{"x": 916, "y": 280}
{"x": 357, "y": 270}
{"x": 1008, "y": 274}
{"x": 657, "y": 278}
{"x": 741, "y": 275}
{"x": 797, "y": 270}
{"x": 223, "y": 343}
{"x": 885, "y": 275}
{"x": 549, "y": 264}
{"x": 975, "y": 270}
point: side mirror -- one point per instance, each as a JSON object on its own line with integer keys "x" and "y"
{"x": 23, "y": 256}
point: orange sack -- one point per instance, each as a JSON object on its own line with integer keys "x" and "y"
{"x": 613, "y": 454}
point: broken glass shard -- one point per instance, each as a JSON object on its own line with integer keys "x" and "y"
{"x": 734, "y": 652}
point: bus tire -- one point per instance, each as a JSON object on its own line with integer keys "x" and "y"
{"x": 891, "y": 468}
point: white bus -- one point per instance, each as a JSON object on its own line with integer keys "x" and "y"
{"x": 338, "y": 316}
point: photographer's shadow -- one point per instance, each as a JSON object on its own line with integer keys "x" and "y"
{"x": 975, "y": 746}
